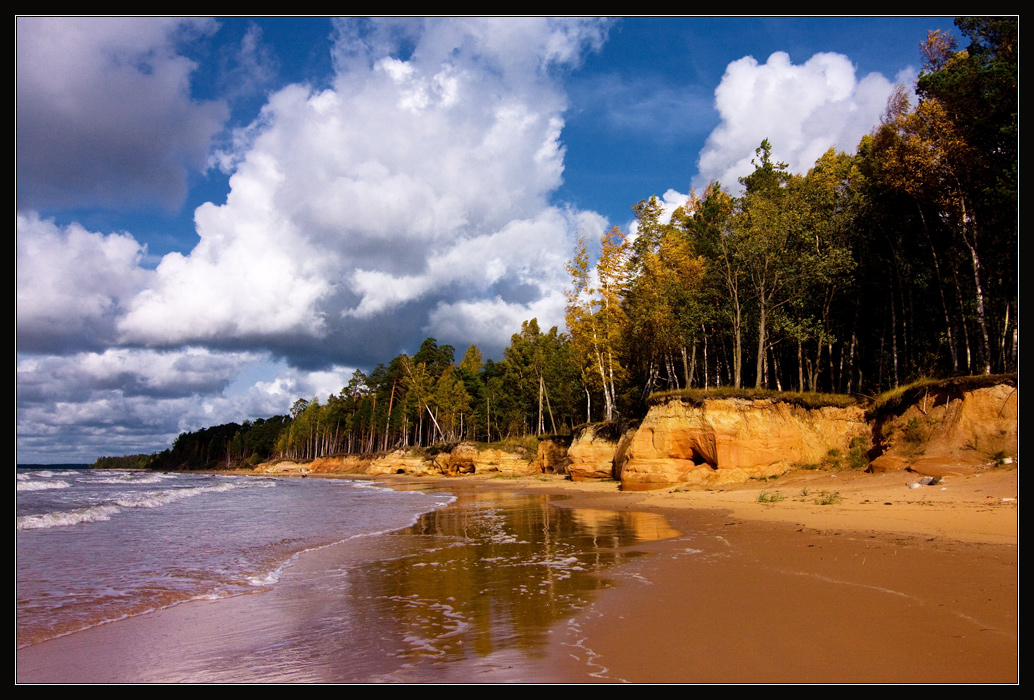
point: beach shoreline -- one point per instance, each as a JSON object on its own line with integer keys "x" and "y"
{"x": 888, "y": 584}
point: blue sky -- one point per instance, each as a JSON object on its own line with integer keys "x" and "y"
{"x": 218, "y": 216}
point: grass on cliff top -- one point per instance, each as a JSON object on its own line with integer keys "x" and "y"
{"x": 612, "y": 430}
{"x": 808, "y": 399}
{"x": 529, "y": 444}
{"x": 897, "y": 400}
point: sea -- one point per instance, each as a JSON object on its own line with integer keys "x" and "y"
{"x": 332, "y": 580}
{"x": 97, "y": 546}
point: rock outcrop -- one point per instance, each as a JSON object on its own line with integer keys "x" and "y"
{"x": 401, "y": 462}
{"x": 284, "y": 467}
{"x": 466, "y": 458}
{"x": 551, "y": 457}
{"x": 730, "y": 440}
{"x": 952, "y": 427}
{"x": 598, "y": 452}
{"x": 946, "y": 430}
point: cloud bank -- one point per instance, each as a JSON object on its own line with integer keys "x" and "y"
{"x": 410, "y": 186}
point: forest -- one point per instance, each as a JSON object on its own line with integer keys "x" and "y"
{"x": 870, "y": 271}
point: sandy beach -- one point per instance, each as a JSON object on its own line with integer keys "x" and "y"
{"x": 885, "y": 584}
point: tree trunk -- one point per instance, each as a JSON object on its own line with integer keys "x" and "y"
{"x": 759, "y": 380}
{"x": 968, "y": 223}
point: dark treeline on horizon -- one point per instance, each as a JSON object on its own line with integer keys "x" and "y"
{"x": 868, "y": 272}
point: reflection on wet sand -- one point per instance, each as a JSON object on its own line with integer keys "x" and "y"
{"x": 494, "y": 572}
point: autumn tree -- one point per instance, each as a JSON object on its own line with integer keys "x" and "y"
{"x": 595, "y": 317}
{"x": 707, "y": 221}
{"x": 662, "y": 306}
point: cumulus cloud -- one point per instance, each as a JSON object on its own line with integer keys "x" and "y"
{"x": 420, "y": 180}
{"x": 802, "y": 110}
{"x": 118, "y": 401}
{"x": 105, "y": 112}
{"x": 129, "y": 372}
{"x": 72, "y": 284}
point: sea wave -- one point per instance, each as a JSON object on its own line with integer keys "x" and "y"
{"x": 156, "y": 499}
{"x": 104, "y": 511}
{"x": 42, "y": 485}
{"x": 128, "y": 478}
{"x": 64, "y": 518}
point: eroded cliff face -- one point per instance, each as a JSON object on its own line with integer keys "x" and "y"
{"x": 731, "y": 440}
{"x": 464, "y": 458}
{"x": 551, "y": 457}
{"x": 946, "y": 431}
{"x": 598, "y": 452}
{"x": 939, "y": 431}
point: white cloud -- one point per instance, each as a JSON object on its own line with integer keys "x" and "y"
{"x": 105, "y": 112}
{"x": 250, "y": 67}
{"x": 802, "y": 110}
{"x": 72, "y": 283}
{"x": 251, "y": 276}
{"x": 494, "y": 321}
{"x": 128, "y": 373}
{"x": 416, "y": 179}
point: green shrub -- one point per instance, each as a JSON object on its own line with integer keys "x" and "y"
{"x": 773, "y": 497}
{"x": 828, "y": 498}
{"x": 913, "y": 432}
{"x": 858, "y": 457}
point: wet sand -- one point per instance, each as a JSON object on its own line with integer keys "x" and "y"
{"x": 889, "y": 584}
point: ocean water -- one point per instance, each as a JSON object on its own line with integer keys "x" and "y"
{"x": 96, "y": 546}
{"x": 356, "y": 582}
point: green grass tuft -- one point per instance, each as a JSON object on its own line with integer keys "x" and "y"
{"x": 828, "y": 498}
{"x": 858, "y": 458}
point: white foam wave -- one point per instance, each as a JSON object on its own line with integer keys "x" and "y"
{"x": 42, "y": 485}
{"x": 156, "y": 499}
{"x": 60, "y": 519}
{"x": 146, "y": 499}
{"x": 127, "y": 478}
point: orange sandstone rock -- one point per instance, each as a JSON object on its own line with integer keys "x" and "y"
{"x": 596, "y": 454}
{"x": 731, "y": 440}
{"x": 951, "y": 432}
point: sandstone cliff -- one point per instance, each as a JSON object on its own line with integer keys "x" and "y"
{"x": 953, "y": 426}
{"x": 464, "y": 458}
{"x": 730, "y": 440}
{"x": 948, "y": 429}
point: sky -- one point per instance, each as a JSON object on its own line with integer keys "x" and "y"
{"x": 216, "y": 217}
